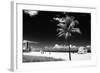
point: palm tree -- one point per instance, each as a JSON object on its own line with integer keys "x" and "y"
{"x": 66, "y": 27}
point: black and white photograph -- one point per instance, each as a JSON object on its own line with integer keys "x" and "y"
{"x": 55, "y": 36}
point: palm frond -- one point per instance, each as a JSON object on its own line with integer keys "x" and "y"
{"x": 62, "y": 19}
{"x": 72, "y": 18}
{"x": 60, "y": 34}
{"x": 59, "y": 19}
{"x": 61, "y": 25}
{"x": 76, "y": 30}
{"x": 67, "y": 34}
{"x": 60, "y": 29}
{"x": 68, "y": 19}
{"x": 76, "y": 21}
{"x": 67, "y": 26}
{"x": 73, "y": 23}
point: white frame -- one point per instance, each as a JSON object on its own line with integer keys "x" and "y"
{"x": 16, "y": 60}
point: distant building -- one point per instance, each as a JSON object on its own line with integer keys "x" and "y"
{"x": 26, "y": 47}
{"x": 60, "y": 46}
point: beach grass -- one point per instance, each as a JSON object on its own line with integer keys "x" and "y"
{"x": 27, "y": 58}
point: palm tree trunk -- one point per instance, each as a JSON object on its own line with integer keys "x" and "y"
{"x": 69, "y": 48}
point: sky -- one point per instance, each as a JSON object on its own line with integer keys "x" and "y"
{"x": 39, "y": 26}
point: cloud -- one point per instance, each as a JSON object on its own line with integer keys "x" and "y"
{"x": 31, "y": 12}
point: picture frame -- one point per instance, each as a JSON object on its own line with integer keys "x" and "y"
{"x": 17, "y": 37}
